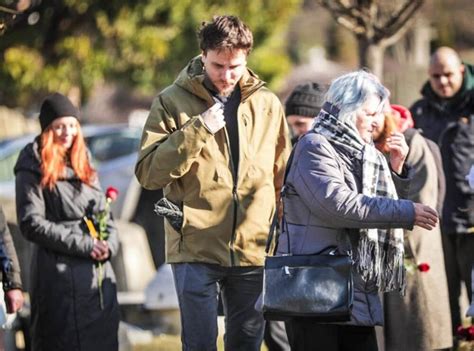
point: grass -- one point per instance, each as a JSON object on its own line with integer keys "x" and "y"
{"x": 161, "y": 343}
{"x": 173, "y": 343}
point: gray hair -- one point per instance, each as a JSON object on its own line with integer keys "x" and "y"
{"x": 349, "y": 92}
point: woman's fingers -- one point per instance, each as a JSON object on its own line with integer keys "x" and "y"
{"x": 100, "y": 250}
{"x": 425, "y": 216}
{"x": 396, "y": 142}
{"x": 105, "y": 250}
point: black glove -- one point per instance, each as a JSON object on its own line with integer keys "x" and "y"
{"x": 167, "y": 209}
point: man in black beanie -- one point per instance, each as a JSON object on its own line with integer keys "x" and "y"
{"x": 56, "y": 106}
{"x": 303, "y": 104}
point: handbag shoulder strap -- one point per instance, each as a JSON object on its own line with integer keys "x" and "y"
{"x": 274, "y": 224}
{"x": 271, "y": 233}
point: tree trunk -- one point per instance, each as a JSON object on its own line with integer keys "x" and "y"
{"x": 371, "y": 56}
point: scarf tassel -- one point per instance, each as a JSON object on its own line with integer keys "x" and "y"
{"x": 383, "y": 266}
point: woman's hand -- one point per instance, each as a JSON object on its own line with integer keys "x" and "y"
{"x": 398, "y": 151}
{"x": 425, "y": 216}
{"x": 100, "y": 251}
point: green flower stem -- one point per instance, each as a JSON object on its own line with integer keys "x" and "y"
{"x": 100, "y": 278}
{"x": 102, "y": 218}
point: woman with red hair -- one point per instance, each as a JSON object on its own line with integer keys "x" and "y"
{"x": 73, "y": 293}
{"x": 420, "y": 320}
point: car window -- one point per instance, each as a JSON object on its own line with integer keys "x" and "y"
{"x": 114, "y": 144}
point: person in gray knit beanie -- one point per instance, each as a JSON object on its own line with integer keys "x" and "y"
{"x": 302, "y": 106}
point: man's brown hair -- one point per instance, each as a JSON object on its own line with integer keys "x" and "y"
{"x": 225, "y": 33}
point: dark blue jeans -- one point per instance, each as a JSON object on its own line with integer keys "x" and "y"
{"x": 198, "y": 286}
{"x": 305, "y": 335}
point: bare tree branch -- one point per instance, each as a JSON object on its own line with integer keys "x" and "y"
{"x": 361, "y": 17}
{"x": 348, "y": 16}
{"x": 373, "y": 24}
{"x": 350, "y": 25}
{"x": 398, "y": 22}
{"x": 341, "y": 8}
{"x": 392, "y": 39}
{"x": 404, "y": 13}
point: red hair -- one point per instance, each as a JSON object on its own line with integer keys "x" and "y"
{"x": 53, "y": 159}
{"x": 389, "y": 128}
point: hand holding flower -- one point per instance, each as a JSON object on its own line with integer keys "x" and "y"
{"x": 97, "y": 226}
{"x": 100, "y": 251}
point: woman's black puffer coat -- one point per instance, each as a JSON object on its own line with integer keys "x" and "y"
{"x": 65, "y": 303}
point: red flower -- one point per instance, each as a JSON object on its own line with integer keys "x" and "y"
{"x": 465, "y": 333}
{"x": 423, "y": 267}
{"x": 112, "y": 193}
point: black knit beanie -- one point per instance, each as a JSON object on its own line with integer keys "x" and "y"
{"x": 56, "y": 106}
{"x": 306, "y": 100}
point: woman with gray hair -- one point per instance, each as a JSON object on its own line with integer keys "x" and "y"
{"x": 341, "y": 195}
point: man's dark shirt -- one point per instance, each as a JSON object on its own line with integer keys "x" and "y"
{"x": 231, "y": 105}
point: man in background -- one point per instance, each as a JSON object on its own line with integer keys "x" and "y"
{"x": 445, "y": 114}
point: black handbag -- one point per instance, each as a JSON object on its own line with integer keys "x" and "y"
{"x": 317, "y": 286}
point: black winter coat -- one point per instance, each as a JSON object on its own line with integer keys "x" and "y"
{"x": 65, "y": 303}
{"x": 450, "y": 124}
{"x": 10, "y": 268}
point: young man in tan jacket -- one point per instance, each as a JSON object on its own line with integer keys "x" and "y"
{"x": 217, "y": 141}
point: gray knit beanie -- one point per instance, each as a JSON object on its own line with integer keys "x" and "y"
{"x": 306, "y": 100}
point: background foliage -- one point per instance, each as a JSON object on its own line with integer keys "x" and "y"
{"x": 142, "y": 45}
{"x": 67, "y": 44}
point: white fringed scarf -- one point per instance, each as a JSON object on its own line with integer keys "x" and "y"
{"x": 380, "y": 251}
